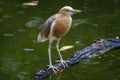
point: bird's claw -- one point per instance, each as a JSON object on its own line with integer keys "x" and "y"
{"x": 55, "y": 69}
{"x": 63, "y": 62}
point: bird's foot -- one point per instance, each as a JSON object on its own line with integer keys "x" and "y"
{"x": 63, "y": 62}
{"x": 55, "y": 69}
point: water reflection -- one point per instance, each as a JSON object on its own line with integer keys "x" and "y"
{"x": 35, "y": 21}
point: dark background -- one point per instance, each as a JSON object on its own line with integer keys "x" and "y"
{"x": 21, "y": 56}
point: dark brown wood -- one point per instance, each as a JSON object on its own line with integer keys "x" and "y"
{"x": 98, "y": 47}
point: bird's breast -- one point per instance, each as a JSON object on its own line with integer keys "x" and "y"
{"x": 61, "y": 26}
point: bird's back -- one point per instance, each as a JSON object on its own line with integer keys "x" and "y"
{"x": 45, "y": 29}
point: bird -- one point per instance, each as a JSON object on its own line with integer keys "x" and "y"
{"x": 54, "y": 28}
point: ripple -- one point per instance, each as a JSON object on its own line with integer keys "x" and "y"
{"x": 1, "y": 2}
{"x": 10, "y": 63}
{"x": 8, "y": 34}
{"x": 77, "y": 22}
{"x": 21, "y": 30}
{"x": 21, "y": 12}
{"x": 1, "y": 20}
{"x": 1, "y": 9}
{"x": 34, "y": 22}
{"x": 28, "y": 49}
{"x": 6, "y": 16}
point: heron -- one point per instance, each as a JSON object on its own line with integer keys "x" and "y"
{"x": 54, "y": 28}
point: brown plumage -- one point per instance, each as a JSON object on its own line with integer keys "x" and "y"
{"x": 55, "y": 28}
{"x": 61, "y": 26}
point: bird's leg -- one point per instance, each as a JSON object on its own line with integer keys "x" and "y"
{"x": 61, "y": 59}
{"x": 50, "y": 60}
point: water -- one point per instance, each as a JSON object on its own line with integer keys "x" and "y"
{"x": 21, "y": 56}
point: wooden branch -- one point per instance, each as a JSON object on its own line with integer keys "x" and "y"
{"x": 98, "y": 47}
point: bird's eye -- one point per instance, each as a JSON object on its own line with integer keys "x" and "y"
{"x": 66, "y": 10}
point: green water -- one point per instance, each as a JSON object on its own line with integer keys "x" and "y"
{"x": 21, "y": 56}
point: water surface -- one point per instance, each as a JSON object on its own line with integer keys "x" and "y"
{"x": 21, "y": 56}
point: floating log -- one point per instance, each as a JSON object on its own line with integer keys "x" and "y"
{"x": 98, "y": 47}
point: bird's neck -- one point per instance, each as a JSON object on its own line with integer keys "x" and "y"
{"x": 64, "y": 20}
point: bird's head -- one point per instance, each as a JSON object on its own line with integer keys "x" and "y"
{"x": 67, "y": 10}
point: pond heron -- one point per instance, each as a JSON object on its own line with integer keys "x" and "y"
{"x": 55, "y": 28}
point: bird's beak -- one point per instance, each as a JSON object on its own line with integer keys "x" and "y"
{"x": 76, "y": 11}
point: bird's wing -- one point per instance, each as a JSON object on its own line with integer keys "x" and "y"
{"x": 45, "y": 29}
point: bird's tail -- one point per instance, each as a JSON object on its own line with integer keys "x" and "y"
{"x": 41, "y": 38}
